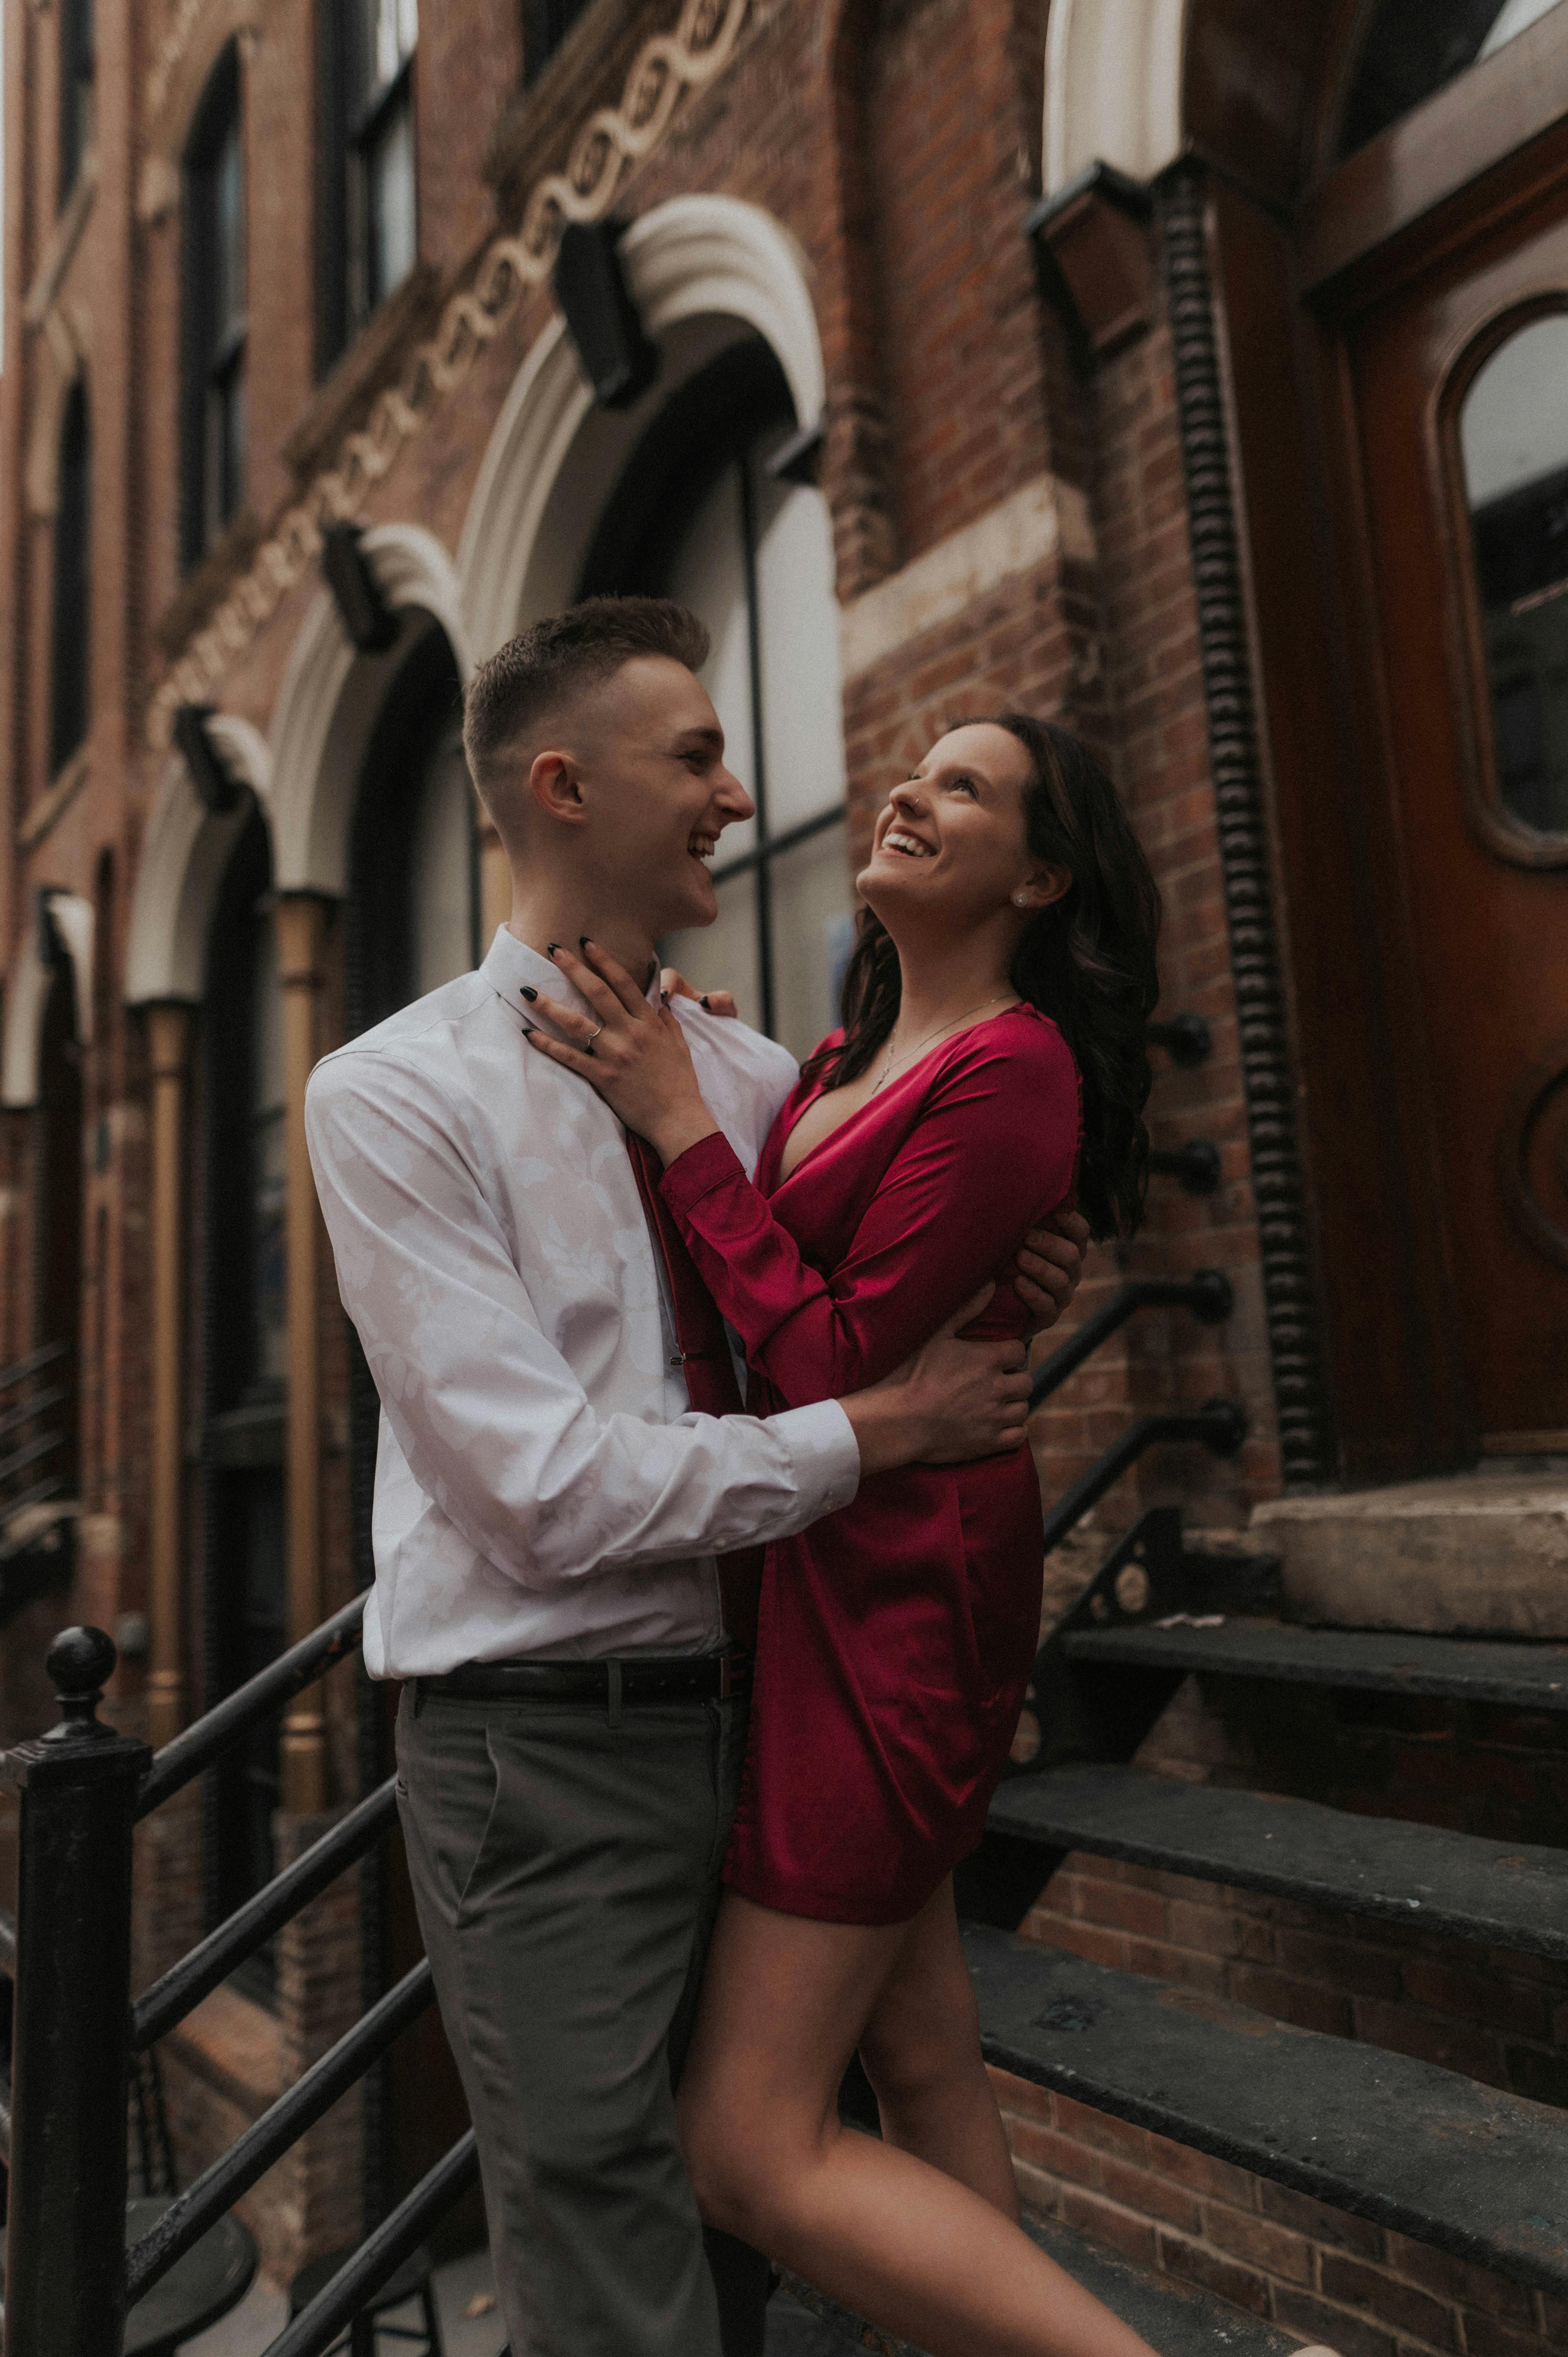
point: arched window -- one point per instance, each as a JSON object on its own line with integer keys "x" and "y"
{"x": 69, "y": 631}
{"x": 1412, "y": 48}
{"x": 76, "y": 70}
{"x": 545, "y": 25}
{"x": 1513, "y": 448}
{"x": 212, "y": 438}
{"x": 368, "y": 211}
{"x": 246, "y": 1351}
{"x": 703, "y": 514}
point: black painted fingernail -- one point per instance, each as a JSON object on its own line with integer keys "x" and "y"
{"x": 528, "y": 994}
{"x": 706, "y": 1002}
{"x": 551, "y": 948}
{"x": 583, "y": 942}
{"x": 664, "y": 997}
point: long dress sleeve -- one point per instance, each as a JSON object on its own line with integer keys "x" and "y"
{"x": 994, "y": 1149}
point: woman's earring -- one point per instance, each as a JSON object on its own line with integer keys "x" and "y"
{"x": 1020, "y": 900}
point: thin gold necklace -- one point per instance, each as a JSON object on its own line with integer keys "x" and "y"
{"x": 937, "y": 1034}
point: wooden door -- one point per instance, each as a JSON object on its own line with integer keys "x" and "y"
{"x": 1458, "y": 380}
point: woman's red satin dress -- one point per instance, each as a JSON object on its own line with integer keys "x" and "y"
{"x": 895, "y": 1638}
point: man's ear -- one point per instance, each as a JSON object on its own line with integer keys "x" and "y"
{"x": 552, "y": 782}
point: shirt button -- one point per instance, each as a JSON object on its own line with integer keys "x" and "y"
{"x": 677, "y": 1360}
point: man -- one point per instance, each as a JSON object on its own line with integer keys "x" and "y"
{"x": 550, "y": 1503}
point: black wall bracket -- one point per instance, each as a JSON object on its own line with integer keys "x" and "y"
{"x": 601, "y": 314}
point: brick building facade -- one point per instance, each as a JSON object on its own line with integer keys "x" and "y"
{"x": 273, "y": 270}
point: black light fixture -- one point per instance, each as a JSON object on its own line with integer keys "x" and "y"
{"x": 369, "y": 621}
{"x": 1186, "y": 1038}
{"x": 602, "y": 319}
{"x": 800, "y": 459}
{"x": 216, "y": 789}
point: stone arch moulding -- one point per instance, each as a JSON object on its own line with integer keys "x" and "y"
{"x": 28, "y": 987}
{"x": 184, "y": 855}
{"x": 1113, "y": 87}
{"x": 702, "y": 269}
{"x": 174, "y": 88}
{"x": 329, "y": 700}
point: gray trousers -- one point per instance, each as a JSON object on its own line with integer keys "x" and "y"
{"x": 567, "y": 1875}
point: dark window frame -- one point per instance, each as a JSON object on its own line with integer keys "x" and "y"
{"x": 70, "y": 678}
{"x": 546, "y": 24}
{"x": 213, "y": 369}
{"x": 243, "y": 1413}
{"x": 77, "y": 66}
{"x": 348, "y": 295}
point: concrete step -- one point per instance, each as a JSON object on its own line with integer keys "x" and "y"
{"x": 1501, "y": 1894}
{"x": 1480, "y": 1552}
{"x": 1528, "y": 1677}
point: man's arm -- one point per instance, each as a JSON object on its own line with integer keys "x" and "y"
{"x": 496, "y": 1426}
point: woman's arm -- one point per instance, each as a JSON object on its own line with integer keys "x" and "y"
{"x": 994, "y": 1149}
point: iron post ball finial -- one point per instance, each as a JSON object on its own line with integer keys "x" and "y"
{"x": 81, "y": 1661}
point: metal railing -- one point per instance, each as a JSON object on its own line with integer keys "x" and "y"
{"x": 24, "y": 1455}
{"x": 83, "y": 1789}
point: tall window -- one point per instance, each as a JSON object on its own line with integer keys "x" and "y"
{"x": 369, "y": 224}
{"x": 546, "y": 24}
{"x": 69, "y": 619}
{"x": 702, "y": 516}
{"x": 75, "y": 90}
{"x": 214, "y": 391}
{"x": 246, "y": 1359}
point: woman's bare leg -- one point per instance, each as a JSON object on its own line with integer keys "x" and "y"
{"x": 783, "y": 2005}
{"x": 921, "y": 2053}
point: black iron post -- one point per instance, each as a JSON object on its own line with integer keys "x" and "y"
{"x": 65, "y": 2238}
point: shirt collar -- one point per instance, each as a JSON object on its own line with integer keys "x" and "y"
{"x": 511, "y": 963}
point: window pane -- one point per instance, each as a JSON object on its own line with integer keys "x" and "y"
{"x": 228, "y": 246}
{"x": 68, "y": 630}
{"x": 801, "y": 684}
{"x": 389, "y": 167}
{"x": 383, "y": 35}
{"x": 1513, "y": 434}
{"x": 723, "y": 955}
{"x": 1415, "y": 46}
{"x": 813, "y": 932}
{"x": 709, "y": 575}
{"x": 441, "y": 863}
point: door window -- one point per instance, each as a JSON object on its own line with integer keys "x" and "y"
{"x": 1513, "y": 445}
{"x": 1414, "y": 46}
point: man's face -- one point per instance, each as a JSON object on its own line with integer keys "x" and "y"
{"x": 651, "y": 765}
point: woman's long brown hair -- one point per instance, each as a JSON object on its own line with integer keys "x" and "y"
{"x": 1087, "y": 961}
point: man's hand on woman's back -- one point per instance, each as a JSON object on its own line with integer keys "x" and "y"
{"x": 951, "y": 1402}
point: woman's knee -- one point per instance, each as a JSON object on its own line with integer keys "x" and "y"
{"x": 724, "y": 2156}
{"x": 912, "y": 2053}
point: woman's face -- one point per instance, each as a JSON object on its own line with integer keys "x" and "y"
{"x": 950, "y": 839}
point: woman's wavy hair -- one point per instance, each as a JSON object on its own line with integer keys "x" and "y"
{"x": 1087, "y": 961}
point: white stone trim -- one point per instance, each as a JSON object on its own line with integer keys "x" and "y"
{"x": 332, "y": 697}
{"x": 702, "y": 269}
{"x": 1113, "y": 86}
{"x": 28, "y": 987}
{"x": 1045, "y": 518}
{"x": 184, "y": 855}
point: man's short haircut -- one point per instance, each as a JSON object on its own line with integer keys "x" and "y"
{"x": 547, "y": 665}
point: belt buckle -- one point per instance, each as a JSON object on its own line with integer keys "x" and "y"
{"x": 730, "y": 1678}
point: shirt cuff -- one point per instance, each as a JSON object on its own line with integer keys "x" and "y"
{"x": 710, "y": 1163}
{"x": 824, "y": 1454}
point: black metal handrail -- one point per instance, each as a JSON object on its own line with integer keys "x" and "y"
{"x": 33, "y": 1364}
{"x": 183, "y": 1986}
{"x": 338, "y": 2302}
{"x": 1206, "y": 1294}
{"x": 1219, "y": 1423}
{"x": 202, "y": 1743}
{"x": 251, "y": 2156}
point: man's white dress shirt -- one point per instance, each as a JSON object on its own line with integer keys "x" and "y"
{"x": 543, "y": 1486}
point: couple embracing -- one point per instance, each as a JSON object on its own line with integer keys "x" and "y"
{"x": 707, "y": 1537}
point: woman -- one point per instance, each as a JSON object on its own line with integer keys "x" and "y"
{"x": 993, "y": 1065}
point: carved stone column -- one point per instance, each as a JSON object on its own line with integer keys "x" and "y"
{"x": 1290, "y": 1289}
{"x": 301, "y": 925}
{"x": 168, "y": 1038}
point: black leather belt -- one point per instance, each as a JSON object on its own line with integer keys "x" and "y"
{"x": 682, "y": 1677}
